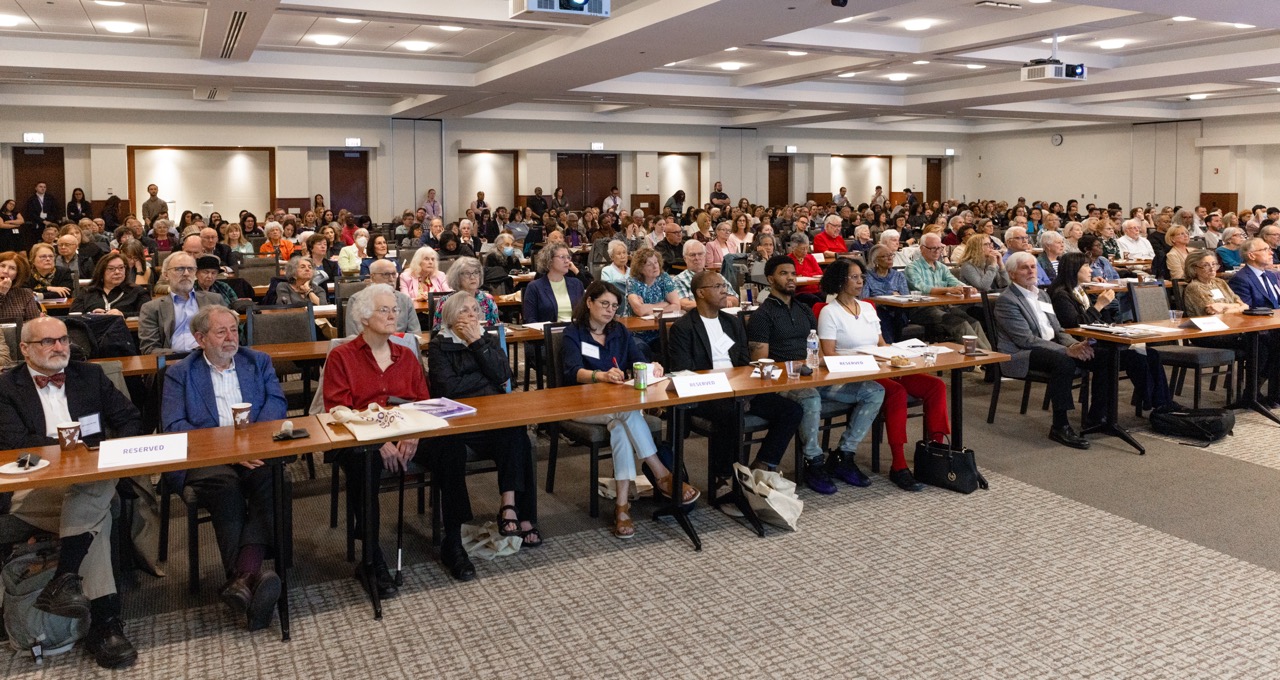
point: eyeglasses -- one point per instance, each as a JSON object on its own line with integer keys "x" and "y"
{"x": 607, "y": 306}
{"x": 183, "y": 270}
{"x": 932, "y": 248}
{"x": 115, "y": 268}
{"x": 50, "y": 343}
{"x": 387, "y": 311}
{"x": 716, "y": 286}
{"x": 1208, "y": 265}
{"x": 855, "y": 277}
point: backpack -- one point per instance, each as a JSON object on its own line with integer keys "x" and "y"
{"x": 27, "y": 571}
{"x": 1202, "y": 424}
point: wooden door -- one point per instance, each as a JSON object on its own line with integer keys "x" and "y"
{"x": 779, "y": 180}
{"x": 602, "y": 175}
{"x": 349, "y": 180}
{"x": 1225, "y": 202}
{"x": 571, "y": 175}
{"x": 35, "y": 164}
{"x": 933, "y": 179}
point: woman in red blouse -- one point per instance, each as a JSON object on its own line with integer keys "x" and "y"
{"x": 806, "y": 265}
{"x": 372, "y": 369}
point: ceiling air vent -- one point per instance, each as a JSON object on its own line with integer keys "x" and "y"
{"x": 211, "y": 93}
{"x": 233, "y": 34}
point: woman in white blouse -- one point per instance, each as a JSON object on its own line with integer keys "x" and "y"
{"x": 847, "y": 323}
{"x": 616, "y": 272}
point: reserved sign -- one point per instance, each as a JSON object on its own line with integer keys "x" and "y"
{"x": 851, "y": 364}
{"x": 1209, "y": 323}
{"x": 142, "y": 450}
{"x": 700, "y": 384}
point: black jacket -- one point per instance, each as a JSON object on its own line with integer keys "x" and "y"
{"x": 61, "y": 279}
{"x": 1069, "y": 311}
{"x": 78, "y": 210}
{"x": 690, "y": 347}
{"x": 52, "y": 210}
{"x": 456, "y": 371}
{"x": 89, "y": 391}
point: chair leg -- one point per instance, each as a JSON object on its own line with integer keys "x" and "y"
{"x": 995, "y": 399}
{"x": 333, "y": 497}
{"x": 1044, "y": 406}
{"x": 193, "y": 549}
{"x": 1026, "y": 396}
{"x": 422, "y": 494}
{"x": 437, "y": 517}
{"x": 877, "y": 433}
{"x": 1195, "y": 399}
{"x": 554, "y": 431}
{"x": 799, "y": 461}
{"x": 351, "y": 529}
{"x": 594, "y": 501}
{"x": 164, "y": 522}
{"x": 311, "y": 465}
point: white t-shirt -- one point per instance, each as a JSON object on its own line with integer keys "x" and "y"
{"x": 849, "y": 331}
{"x": 721, "y": 343}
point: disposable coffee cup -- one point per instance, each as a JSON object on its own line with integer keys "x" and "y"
{"x": 970, "y": 343}
{"x": 240, "y": 414}
{"x": 68, "y": 435}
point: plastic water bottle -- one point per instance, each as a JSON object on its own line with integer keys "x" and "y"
{"x": 811, "y": 355}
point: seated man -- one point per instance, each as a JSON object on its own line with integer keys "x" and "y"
{"x": 384, "y": 271}
{"x": 1029, "y": 332}
{"x": 695, "y": 262}
{"x": 34, "y": 398}
{"x": 712, "y": 339}
{"x": 670, "y": 247}
{"x": 779, "y": 330}
{"x": 198, "y": 393}
{"x": 930, "y": 276}
{"x": 830, "y": 239}
{"x": 1017, "y": 241}
{"x": 164, "y": 324}
{"x": 1133, "y": 245}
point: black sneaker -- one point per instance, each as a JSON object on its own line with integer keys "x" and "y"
{"x": 64, "y": 597}
{"x": 905, "y": 480}
{"x": 108, "y": 645}
{"x": 841, "y": 466}
{"x": 817, "y": 477}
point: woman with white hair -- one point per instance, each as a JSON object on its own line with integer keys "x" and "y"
{"x": 1071, "y": 236}
{"x": 504, "y": 254}
{"x": 724, "y": 243}
{"x": 423, "y": 276}
{"x": 366, "y": 370}
{"x": 350, "y": 257}
{"x": 298, "y": 287}
{"x": 465, "y": 276}
{"x": 616, "y": 272}
{"x": 276, "y": 244}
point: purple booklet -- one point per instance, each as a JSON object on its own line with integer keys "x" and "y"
{"x": 442, "y": 408}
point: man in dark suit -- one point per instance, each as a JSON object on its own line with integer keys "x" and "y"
{"x": 35, "y": 397}
{"x": 42, "y": 207}
{"x": 1030, "y": 333}
{"x": 164, "y": 324}
{"x": 198, "y": 393}
{"x": 710, "y": 339}
{"x": 1256, "y": 285}
{"x": 210, "y": 246}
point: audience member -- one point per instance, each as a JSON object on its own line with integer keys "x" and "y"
{"x": 164, "y": 324}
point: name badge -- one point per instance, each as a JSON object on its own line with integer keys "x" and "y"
{"x": 91, "y": 424}
{"x": 590, "y": 351}
{"x": 1216, "y": 294}
{"x": 699, "y": 384}
{"x": 1045, "y": 307}
{"x": 44, "y": 215}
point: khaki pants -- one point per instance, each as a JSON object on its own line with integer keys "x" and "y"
{"x": 71, "y": 511}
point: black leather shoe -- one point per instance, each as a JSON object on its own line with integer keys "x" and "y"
{"x": 64, "y": 597}
{"x": 237, "y": 593}
{"x": 1067, "y": 437}
{"x": 108, "y": 645}
{"x": 454, "y": 558}
{"x": 262, "y": 606}
{"x": 380, "y": 579}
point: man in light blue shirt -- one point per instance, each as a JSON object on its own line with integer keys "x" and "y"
{"x": 1017, "y": 241}
{"x": 929, "y": 275}
{"x": 164, "y": 324}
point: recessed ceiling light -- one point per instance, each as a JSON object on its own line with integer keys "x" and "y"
{"x": 9, "y": 21}
{"x": 119, "y": 26}
{"x": 1184, "y": 18}
{"x": 327, "y": 40}
{"x": 346, "y": 20}
{"x": 1112, "y": 44}
{"x": 672, "y": 63}
{"x": 851, "y": 74}
{"x": 1197, "y": 97}
{"x": 109, "y": 3}
{"x": 918, "y": 24}
{"x": 922, "y": 62}
{"x": 451, "y": 29}
{"x": 1038, "y": 2}
{"x": 730, "y": 65}
{"x": 1244, "y": 25}
{"x": 844, "y": 20}
{"x": 1049, "y": 41}
{"x": 416, "y": 45}
{"x": 975, "y": 66}
{"x": 898, "y": 77}
{"x": 795, "y": 53}
{"x": 730, "y": 49}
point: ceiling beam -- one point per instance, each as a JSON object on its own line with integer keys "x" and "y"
{"x": 232, "y": 28}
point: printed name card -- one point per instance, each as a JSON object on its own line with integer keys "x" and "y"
{"x": 851, "y": 364}
{"x": 1209, "y": 323}
{"x": 142, "y": 450}
{"x": 700, "y": 384}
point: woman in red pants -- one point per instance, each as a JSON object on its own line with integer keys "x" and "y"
{"x": 847, "y": 323}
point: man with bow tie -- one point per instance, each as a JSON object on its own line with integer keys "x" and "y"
{"x": 35, "y": 398}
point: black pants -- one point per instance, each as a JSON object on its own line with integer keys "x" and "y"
{"x": 352, "y": 462}
{"x": 782, "y": 414}
{"x": 1062, "y": 369}
{"x": 508, "y": 448}
{"x": 240, "y": 502}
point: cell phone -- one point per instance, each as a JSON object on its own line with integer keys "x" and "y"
{"x": 28, "y": 460}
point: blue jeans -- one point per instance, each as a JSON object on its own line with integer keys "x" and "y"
{"x": 865, "y": 398}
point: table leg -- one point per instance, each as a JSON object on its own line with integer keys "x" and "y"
{"x": 1254, "y": 381}
{"x": 674, "y": 507}
{"x": 1112, "y": 426}
{"x": 368, "y": 542}
{"x": 957, "y": 409}
{"x": 736, "y": 495}
{"x": 283, "y": 544}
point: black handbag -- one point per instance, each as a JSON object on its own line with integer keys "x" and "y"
{"x": 939, "y": 464}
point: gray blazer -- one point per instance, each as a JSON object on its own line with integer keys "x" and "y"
{"x": 155, "y": 321}
{"x": 1017, "y": 324}
{"x": 407, "y": 319}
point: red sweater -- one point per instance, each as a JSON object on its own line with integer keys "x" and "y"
{"x": 352, "y": 377}
{"x": 826, "y": 244}
{"x": 807, "y": 267}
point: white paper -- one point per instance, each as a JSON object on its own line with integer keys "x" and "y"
{"x": 142, "y": 450}
{"x": 535, "y": 325}
{"x": 324, "y": 309}
{"x": 851, "y": 364}
{"x": 706, "y": 383}
{"x": 732, "y": 310}
{"x": 1216, "y": 294}
{"x": 1209, "y": 323}
{"x": 1103, "y": 285}
{"x": 590, "y": 351}
{"x": 652, "y": 381}
{"x": 90, "y": 425}
{"x": 894, "y": 298}
{"x": 1146, "y": 328}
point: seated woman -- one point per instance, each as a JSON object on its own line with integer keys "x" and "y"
{"x": 378, "y": 250}
{"x": 138, "y": 260}
{"x": 504, "y": 254}
{"x": 411, "y": 238}
{"x": 350, "y": 257}
{"x": 883, "y": 279}
{"x": 724, "y": 243}
{"x": 208, "y": 271}
{"x": 464, "y": 361}
{"x": 465, "y": 275}
{"x": 553, "y": 295}
{"x": 324, "y": 270}
{"x": 862, "y": 241}
{"x": 806, "y": 265}
{"x": 276, "y": 243}
{"x": 650, "y": 290}
{"x": 1229, "y": 250}
{"x": 1072, "y": 232}
{"x": 48, "y": 280}
{"x": 17, "y": 304}
{"x": 370, "y": 369}
{"x": 1053, "y": 245}
{"x": 298, "y": 287}
{"x": 609, "y": 345}
{"x": 110, "y": 291}
{"x": 423, "y": 277}
{"x": 617, "y": 272}
{"x": 981, "y": 266}
{"x": 1207, "y": 294}
{"x": 1074, "y": 308}
{"x": 847, "y": 323}
{"x": 1178, "y": 239}
{"x": 234, "y": 237}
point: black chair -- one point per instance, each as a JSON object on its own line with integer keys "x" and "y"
{"x": 1151, "y": 303}
{"x": 1033, "y": 376}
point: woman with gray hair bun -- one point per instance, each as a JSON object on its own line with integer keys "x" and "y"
{"x": 465, "y": 276}
{"x": 466, "y": 362}
{"x": 298, "y": 288}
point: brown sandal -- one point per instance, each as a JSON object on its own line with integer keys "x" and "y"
{"x": 688, "y": 494}
{"x": 622, "y": 525}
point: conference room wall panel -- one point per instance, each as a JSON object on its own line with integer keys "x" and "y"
{"x": 229, "y": 179}
{"x": 492, "y": 173}
{"x": 676, "y": 172}
{"x": 861, "y": 176}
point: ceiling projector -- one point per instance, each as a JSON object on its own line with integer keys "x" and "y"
{"x": 1052, "y": 71}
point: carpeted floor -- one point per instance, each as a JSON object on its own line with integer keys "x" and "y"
{"x": 1096, "y": 563}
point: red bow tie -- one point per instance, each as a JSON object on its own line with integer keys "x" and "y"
{"x": 58, "y": 379}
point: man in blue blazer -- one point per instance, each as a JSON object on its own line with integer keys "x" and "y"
{"x": 198, "y": 393}
{"x": 1256, "y": 285}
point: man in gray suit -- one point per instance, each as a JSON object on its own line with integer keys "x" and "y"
{"x": 164, "y": 324}
{"x": 384, "y": 271}
{"x": 1030, "y": 333}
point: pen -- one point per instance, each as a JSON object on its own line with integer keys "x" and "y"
{"x": 615, "y": 363}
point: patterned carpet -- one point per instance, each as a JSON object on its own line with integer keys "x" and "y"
{"x": 1015, "y": 582}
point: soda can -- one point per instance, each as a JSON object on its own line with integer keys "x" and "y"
{"x": 641, "y": 371}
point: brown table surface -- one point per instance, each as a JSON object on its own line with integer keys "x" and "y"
{"x": 929, "y": 301}
{"x": 744, "y": 384}
{"x": 1236, "y": 324}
